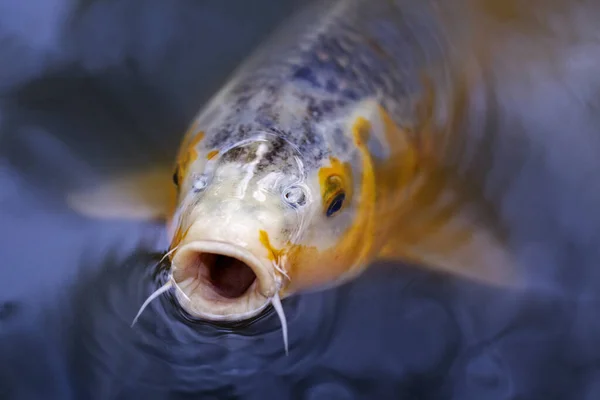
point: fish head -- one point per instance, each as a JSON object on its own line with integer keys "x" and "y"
{"x": 239, "y": 207}
{"x": 261, "y": 218}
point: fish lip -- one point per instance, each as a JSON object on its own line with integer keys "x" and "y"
{"x": 181, "y": 297}
{"x": 267, "y": 283}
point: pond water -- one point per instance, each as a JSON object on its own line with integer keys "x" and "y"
{"x": 107, "y": 85}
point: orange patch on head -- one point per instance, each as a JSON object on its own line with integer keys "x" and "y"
{"x": 309, "y": 266}
{"x": 188, "y": 153}
{"x": 273, "y": 254}
{"x": 211, "y": 154}
{"x": 336, "y": 179}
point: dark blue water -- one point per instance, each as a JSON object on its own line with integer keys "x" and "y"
{"x": 96, "y": 88}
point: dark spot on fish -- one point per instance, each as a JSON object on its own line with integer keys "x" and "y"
{"x": 313, "y": 109}
{"x": 331, "y": 86}
{"x": 242, "y": 100}
{"x": 265, "y": 120}
{"x": 332, "y": 46}
{"x": 307, "y": 74}
{"x": 277, "y": 131}
{"x": 350, "y": 94}
{"x": 339, "y": 69}
{"x": 339, "y": 139}
{"x": 244, "y": 129}
{"x": 235, "y": 154}
{"x": 327, "y": 106}
{"x": 377, "y": 81}
{"x": 271, "y": 89}
{"x": 276, "y": 150}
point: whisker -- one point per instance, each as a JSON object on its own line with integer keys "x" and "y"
{"x": 153, "y": 296}
{"x": 276, "y": 302}
{"x": 168, "y": 253}
{"x": 280, "y": 269}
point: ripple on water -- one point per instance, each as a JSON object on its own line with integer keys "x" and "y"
{"x": 329, "y": 390}
{"x": 377, "y": 335}
{"x": 517, "y": 362}
{"x": 489, "y": 377}
{"x": 390, "y": 336}
{"x": 166, "y": 351}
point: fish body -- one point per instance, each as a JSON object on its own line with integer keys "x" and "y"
{"x": 321, "y": 155}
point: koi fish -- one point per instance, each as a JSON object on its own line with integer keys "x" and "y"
{"x": 319, "y": 156}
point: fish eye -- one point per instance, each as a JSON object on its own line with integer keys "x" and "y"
{"x": 176, "y": 177}
{"x": 294, "y": 196}
{"x": 336, "y": 204}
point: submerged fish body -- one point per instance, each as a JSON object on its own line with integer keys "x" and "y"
{"x": 306, "y": 166}
{"x": 320, "y": 156}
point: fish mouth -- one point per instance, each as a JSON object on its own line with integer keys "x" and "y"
{"x": 220, "y": 281}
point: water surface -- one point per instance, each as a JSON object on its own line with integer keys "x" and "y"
{"x": 107, "y": 85}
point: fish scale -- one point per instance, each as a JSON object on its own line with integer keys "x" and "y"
{"x": 311, "y": 71}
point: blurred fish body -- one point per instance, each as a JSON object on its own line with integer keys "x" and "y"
{"x": 319, "y": 156}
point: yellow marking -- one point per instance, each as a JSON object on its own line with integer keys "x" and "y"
{"x": 310, "y": 267}
{"x": 336, "y": 179}
{"x": 273, "y": 254}
{"x": 409, "y": 208}
{"x": 188, "y": 137}
{"x": 211, "y": 154}
{"x": 188, "y": 154}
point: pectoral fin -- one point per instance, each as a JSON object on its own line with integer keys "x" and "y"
{"x": 434, "y": 216}
{"x": 479, "y": 257}
{"x": 443, "y": 222}
{"x": 138, "y": 195}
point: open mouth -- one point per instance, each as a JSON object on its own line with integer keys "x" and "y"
{"x": 217, "y": 280}
{"x": 220, "y": 281}
{"x": 223, "y": 276}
